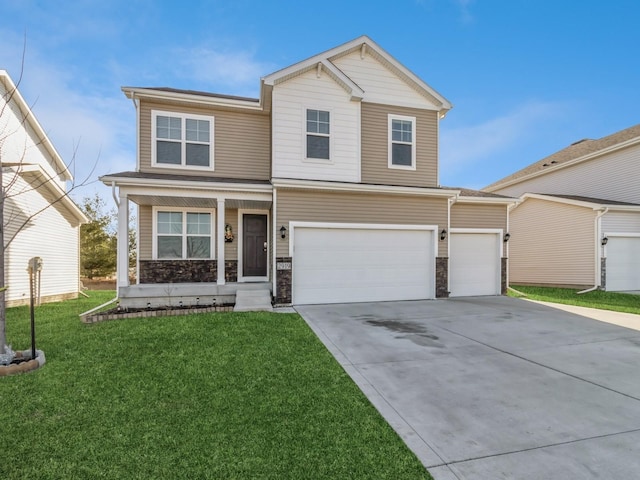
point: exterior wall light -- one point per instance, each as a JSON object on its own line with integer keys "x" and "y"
{"x": 283, "y": 232}
{"x": 443, "y": 234}
{"x": 604, "y": 241}
{"x": 506, "y": 238}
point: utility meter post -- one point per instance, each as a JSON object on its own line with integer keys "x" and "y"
{"x": 35, "y": 269}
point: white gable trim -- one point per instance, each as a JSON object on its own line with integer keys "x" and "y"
{"x": 37, "y": 177}
{"x": 12, "y": 90}
{"x": 365, "y": 44}
{"x": 580, "y": 203}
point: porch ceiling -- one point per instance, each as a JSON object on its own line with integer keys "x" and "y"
{"x": 194, "y": 202}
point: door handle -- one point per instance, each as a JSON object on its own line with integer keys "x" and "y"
{"x": 264, "y": 247}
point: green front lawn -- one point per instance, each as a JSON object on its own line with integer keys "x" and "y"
{"x": 224, "y": 396}
{"x": 619, "y": 302}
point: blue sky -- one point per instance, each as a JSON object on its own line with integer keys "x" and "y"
{"x": 526, "y": 78}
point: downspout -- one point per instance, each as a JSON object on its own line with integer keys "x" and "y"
{"x": 450, "y": 202}
{"x": 274, "y": 246}
{"x": 113, "y": 193}
{"x": 597, "y": 256}
{"x": 505, "y": 251}
{"x": 136, "y": 104}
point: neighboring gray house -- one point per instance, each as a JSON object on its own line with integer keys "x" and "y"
{"x": 578, "y": 221}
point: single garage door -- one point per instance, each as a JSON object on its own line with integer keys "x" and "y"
{"x": 623, "y": 264}
{"x": 474, "y": 264}
{"x": 340, "y": 265}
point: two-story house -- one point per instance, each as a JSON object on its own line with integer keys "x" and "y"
{"x": 578, "y": 219}
{"x": 40, "y": 219}
{"x": 323, "y": 190}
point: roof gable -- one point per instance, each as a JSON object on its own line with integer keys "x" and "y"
{"x": 328, "y": 62}
{"x": 10, "y": 93}
{"x": 582, "y": 201}
{"x": 579, "y": 151}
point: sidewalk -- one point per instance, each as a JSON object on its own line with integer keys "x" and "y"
{"x": 628, "y": 320}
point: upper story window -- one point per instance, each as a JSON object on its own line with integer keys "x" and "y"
{"x": 318, "y": 130}
{"x": 182, "y": 234}
{"x": 402, "y": 142}
{"x": 182, "y": 140}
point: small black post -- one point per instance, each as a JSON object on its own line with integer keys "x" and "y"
{"x": 35, "y": 267}
{"x": 33, "y": 316}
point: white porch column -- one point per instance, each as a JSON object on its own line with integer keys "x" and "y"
{"x": 220, "y": 241}
{"x": 123, "y": 241}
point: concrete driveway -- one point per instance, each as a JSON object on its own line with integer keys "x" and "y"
{"x": 495, "y": 387}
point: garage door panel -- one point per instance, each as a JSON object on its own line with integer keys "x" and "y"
{"x": 474, "y": 264}
{"x": 623, "y": 264}
{"x": 332, "y": 265}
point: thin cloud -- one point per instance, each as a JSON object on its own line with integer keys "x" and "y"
{"x": 89, "y": 130}
{"x": 469, "y": 145}
{"x": 238, "y": 72}
{"x": 464, "y": 7}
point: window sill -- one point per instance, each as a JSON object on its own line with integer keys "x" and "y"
{"x": 172, "y": 166}
{"x": 320, "y": 161}
{"x": 402, "y": 167}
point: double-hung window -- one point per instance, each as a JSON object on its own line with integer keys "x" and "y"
{"x": 402, "y": 142}
{"x": 182, "y": 140}
{"x": 183, "y": 234}
{"x": 318, "y": 130}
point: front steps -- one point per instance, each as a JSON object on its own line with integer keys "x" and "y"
{"x": 253, "y": 301}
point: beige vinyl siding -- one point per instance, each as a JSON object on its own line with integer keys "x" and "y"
{"x": 551, "y": 243}
{"x": 466, "y": 215}
{"x": 621, "y": 222}
{"x": 231, "y": 248}
{"x": 375, "y": 147}
{"x": 241, "y": 142}
{"x": 319, "y": 206}
{"x": 145, "y": 226}
{"x": 615, "y": 176}
{"x": 145, "y": 232}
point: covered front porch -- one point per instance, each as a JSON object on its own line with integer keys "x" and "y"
{"x": 199, "y": 239}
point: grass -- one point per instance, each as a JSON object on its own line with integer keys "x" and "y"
{"x": 619, "y": 302}
{"x": 224, "y": 396}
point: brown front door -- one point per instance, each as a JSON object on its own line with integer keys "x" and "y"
{"x": 254, "y": 245}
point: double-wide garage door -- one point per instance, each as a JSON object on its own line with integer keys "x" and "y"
{"x": 362, "y": 264}
{"x": 623, "y": 263}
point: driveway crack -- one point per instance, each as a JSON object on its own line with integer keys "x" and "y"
{"x": 558, "y": 444}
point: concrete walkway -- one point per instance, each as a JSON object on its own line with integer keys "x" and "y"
{"x": 495, "y": 387}
{"x": 627, "y": 320}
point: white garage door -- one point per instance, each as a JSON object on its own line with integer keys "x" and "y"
{"x": 474, "y": 264}
{"x": 623, "y": 264}
{"x": 338, "y": 265}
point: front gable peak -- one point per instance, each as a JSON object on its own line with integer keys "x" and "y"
{"x": 332, "y": 61}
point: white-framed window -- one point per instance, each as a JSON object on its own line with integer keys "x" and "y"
{"x": 182, "y": 233}
{"x": 182, "y": 140}
{"x": 318, "y": 134}
{"x": 402, "y": 142}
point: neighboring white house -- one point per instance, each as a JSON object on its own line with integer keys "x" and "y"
{"x": 578, "y": 222}
{"x": 40, "y": 220}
